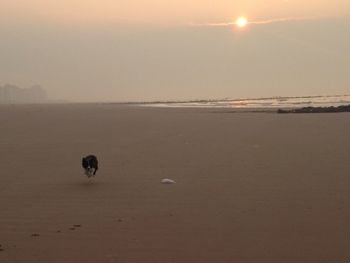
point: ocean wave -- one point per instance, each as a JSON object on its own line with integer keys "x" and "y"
{"x": 275, "y": 102}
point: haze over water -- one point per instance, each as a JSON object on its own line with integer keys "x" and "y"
{"x": 184, "y": 50}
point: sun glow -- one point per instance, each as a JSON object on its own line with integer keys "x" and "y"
{"x": 242, "y": 22}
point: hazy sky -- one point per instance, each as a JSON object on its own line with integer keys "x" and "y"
{"x": 152, "y": 49}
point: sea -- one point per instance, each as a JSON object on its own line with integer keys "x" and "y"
{"x": 259, "y": 103}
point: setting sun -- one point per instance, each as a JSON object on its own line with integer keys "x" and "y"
{"x": 242, "y": 22}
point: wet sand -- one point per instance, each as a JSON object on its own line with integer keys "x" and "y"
{"x": 251, "y": 187}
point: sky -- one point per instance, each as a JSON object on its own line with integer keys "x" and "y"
{"x": 145, "y": 50}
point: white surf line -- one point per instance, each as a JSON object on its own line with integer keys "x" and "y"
{"x": 262, "y": 22}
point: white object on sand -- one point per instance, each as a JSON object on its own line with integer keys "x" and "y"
{"x": 168, "y": 181}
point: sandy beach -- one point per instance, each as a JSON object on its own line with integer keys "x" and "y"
{"x": 251, "y": 187}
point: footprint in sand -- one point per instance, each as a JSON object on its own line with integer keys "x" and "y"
{"x": 75, "y": 226}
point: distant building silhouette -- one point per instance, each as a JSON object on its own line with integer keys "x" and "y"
{"x": 12, "y": 94}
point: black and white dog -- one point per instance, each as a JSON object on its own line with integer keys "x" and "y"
{"x": 90, "y": 165}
